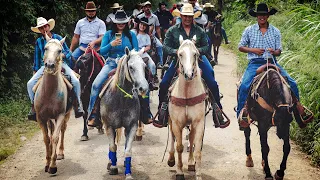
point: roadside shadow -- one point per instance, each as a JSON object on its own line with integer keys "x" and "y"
{"x": 253, "y": 174}
{"x": 149, "y": 139}
{"x": 135, "y": 174}
{"x": 66, "y": 169}
{"x": 192, "y": 176}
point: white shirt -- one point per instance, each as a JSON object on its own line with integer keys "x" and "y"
{"x": 89, "y": 31}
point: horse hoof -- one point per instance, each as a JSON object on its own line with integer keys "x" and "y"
{"x": 100, "y": 131}
{"x": 113, "y": 171}
{"x": 171, "y": 163}
{"x": 46, "y": 168}
{"x": 60, "y": 156}
{"x": 279, "y": 175}
{"x": 129, "y": 177}
{"x": 109, "y": 165}
{"x": 52, "y": 170}
{"x": 269, "y": 178}
{"x": 138, "y": 138}
{"x": 84, "y": 138}
{"x": 249, "y": 161}
{"x": 179, "y": 177}
{"x": 191, "y": 168}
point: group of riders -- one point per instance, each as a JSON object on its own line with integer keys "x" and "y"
{"x": 144, "y": 29}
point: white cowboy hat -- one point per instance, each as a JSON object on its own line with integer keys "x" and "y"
{"x": 146, "y": 3}
{"x": 120, "y": 17}
{"x": 41, "y": 22}
{"x": 116, "y": 6}
{"x": 187, "y": 10}
{"x": 208, "y": 5}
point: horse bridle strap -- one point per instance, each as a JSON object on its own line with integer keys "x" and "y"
{"x": 189, "y": 101}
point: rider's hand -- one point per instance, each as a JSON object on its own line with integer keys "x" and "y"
{"x": 91, "y": 45}
{"x": 258, "y": 51}
{"x": 271, "y": 51}
{"x": 116, "y": 42}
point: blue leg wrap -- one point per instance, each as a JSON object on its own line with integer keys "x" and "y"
{"x": 113, "y": 158}
{"x": 128, "y": 165}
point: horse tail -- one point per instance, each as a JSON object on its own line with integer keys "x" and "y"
{"x": 118, "y": 135}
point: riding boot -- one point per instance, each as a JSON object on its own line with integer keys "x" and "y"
{"x": 79, "y": 110}
{"x": 217, "y": 116}
{"x": 32, "y": 114}
{"x": 244, "y": 120}
{"x": 94, "y": 119}
{"x": 163, "y": 113}
{"x": 301, "y": 116}
{"x": 145, "y": 113}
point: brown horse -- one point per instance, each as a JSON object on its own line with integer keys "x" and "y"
{"x": 216, "y": 38}
{"x": 187, "y": 107}
{"x": 51, "y": 103}
{"x": 270, "y": 104}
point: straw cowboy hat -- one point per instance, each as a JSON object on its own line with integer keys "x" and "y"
{"x": 91, "y": 6}
{"x": 120, "y": 17}
{"x": 41, "y": 22}
{"x": 116, "y": 6}
{"x": 262, "y": 8}
{"x": 147, "y": 3}
{"x": 187, "y": 10}
{"x": 208, "y": 5}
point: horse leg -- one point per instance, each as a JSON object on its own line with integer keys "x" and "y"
{"x": 198, "y": 137}
{"x": 46, "y": 140}
{"x": 265, "y": 151}
{"x": 171, "y": 159}
{"x": 286, "y": 150}
{"x": 54, "y": 140}
{"x": 215, "y": 54}
{"x": 128, "y": 153}
{"x": 112, "y": 165}
{"x": 139, "y": 132}
{"x": 249, "y": 161}
{"x": 85, "y": 136}
{"x": 63, "y": 130}
{"x": 191, "y": 162}
{"x": 177, "y": 131}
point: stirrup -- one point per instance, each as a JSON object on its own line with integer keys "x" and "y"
{"x": 308, "y": 116}
{"x": 244, "y": 120}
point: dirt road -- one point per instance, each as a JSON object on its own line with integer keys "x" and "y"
{"x": 223, "y": 155}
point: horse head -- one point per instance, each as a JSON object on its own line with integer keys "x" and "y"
{"x": 188, "y": 54}
{"x": 217, "y": 27}
{"x": 53, "y": 55}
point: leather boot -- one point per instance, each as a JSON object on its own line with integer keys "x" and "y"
{"x": 145, "y": 113}
{"x": 163, "y": 115}
{"x": 218, "y": 118}
{"x": 301, "y": 116}
{"x": 32, "y": 114}
{"x": 94, "y": 117}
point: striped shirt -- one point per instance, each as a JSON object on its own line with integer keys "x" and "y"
{"x": 252, "y": 37}
{"x": 39, "y": 52}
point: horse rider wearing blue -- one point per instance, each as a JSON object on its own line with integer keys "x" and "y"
{"x": 171, "y": 44}
{"x": 260, "y": 40}
{"x": 88, "y": 32}
{"x": 44, "y": 27}
{"x": 112, "y": 48}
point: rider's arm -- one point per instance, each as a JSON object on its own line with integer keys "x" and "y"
{"x": 168, "y": 43}
{"x": 158, "y": 32}
{"x": 203, "y": 46}
{"x": 37, "y": 58}
{"x": 105, "y": 44}
{"x": 74, "y": 41}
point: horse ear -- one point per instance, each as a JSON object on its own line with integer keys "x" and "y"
{"x": 63, "y": 40}
{"x": 47, "y": 37}
{"x": 141, "y": 51}
{"x": 180, "y": 39}
{"x": 127, "y": 51}
{"x": 194, "y": 39}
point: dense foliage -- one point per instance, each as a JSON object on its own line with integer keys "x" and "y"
{"x": 299, "y": 25}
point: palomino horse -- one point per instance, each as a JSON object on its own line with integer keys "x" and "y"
{"x": 119, "y": 108}
{"x": 51, "y": 103}
{"x": 89, "y": 67}
{"x": 270, "y": 103}
{"x": 187, "y": 107}
{"x": 216, "y": 38}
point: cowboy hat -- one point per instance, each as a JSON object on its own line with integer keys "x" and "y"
{"x": 41, "y": 22}
{"x": 208, "y": 5}
{"x": 147, "y": 3}
{"x": 187, "y": 10}
{"x": 90, "y": 6}
{"x": 262, "y": 8}
{"x": 116, "y": 6}
{"x": 120, "y": 17}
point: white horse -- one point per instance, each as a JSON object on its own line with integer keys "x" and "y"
{"x": 187, "y": 107}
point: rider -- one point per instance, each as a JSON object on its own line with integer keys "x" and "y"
{"x": 258, "y": 41}
{"x": 44, "y": 27}
{"x": 165, "y": 17}
{"x": 110, "y": 16}
{"x": 88, "y": 31}
{"x": 171, "y": 44}
{"x": 154, "y": 27}
{"x": 113, "y": 48}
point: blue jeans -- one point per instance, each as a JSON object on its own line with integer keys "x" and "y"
{"x": 78, "y": 52}
{"x": 247, "y": 79}
{"x": 68, "y": 71}
{"x": 207, "y": 75}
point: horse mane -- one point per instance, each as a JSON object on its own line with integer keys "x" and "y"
{"x": 116, "y": 76}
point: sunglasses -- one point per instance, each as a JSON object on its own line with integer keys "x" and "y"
{"x": 90, "y": 10}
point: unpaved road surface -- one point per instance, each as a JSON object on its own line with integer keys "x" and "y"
{"x": 223, "y": 155}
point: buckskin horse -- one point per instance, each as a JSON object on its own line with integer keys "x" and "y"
{"x": 51, "y": 104}
{"x": 269, "y": 104}
{"x": 120, "y": 106}
{"x": 215, "y": 38}
{"x": 88, "y": 65}
{"x": 187, "y": 107}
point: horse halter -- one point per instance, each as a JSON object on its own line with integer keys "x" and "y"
{"x": 194, "y": 66}
{"x": 58, "y": 60}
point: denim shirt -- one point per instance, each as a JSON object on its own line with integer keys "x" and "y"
{"x": 39, "y": 51}
{"x": 172, "y": 43}
{"x": 107, "y": 50}
{"x": 252, "y": 37}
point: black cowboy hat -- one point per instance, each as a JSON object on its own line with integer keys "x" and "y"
{"x": 262, "y": 8}
{"x": 120, "y": 17}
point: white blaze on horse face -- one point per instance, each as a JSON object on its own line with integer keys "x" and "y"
{"x": 53, "y": 50}
{"x": 187, "y": 58}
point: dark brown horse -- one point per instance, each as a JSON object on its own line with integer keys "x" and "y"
{"x": 215, "y": 38}
{"x": 270, "y": 104}
{"x": 88, "y": 67}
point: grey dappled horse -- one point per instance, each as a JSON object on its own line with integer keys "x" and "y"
{"x": 120, "y": 106}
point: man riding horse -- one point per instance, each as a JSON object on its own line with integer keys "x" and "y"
{"x": 44, "y": 27}
{"x": 171, "y": 44}
{"x": 260, "y": 40}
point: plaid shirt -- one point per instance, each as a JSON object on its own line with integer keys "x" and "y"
{"x": 252, "y": 37}
{"x": 171, "y": 42}
{"x": 39, "y": 52}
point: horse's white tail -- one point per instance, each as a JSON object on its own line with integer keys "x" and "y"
{"x": 118, "y": 135}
